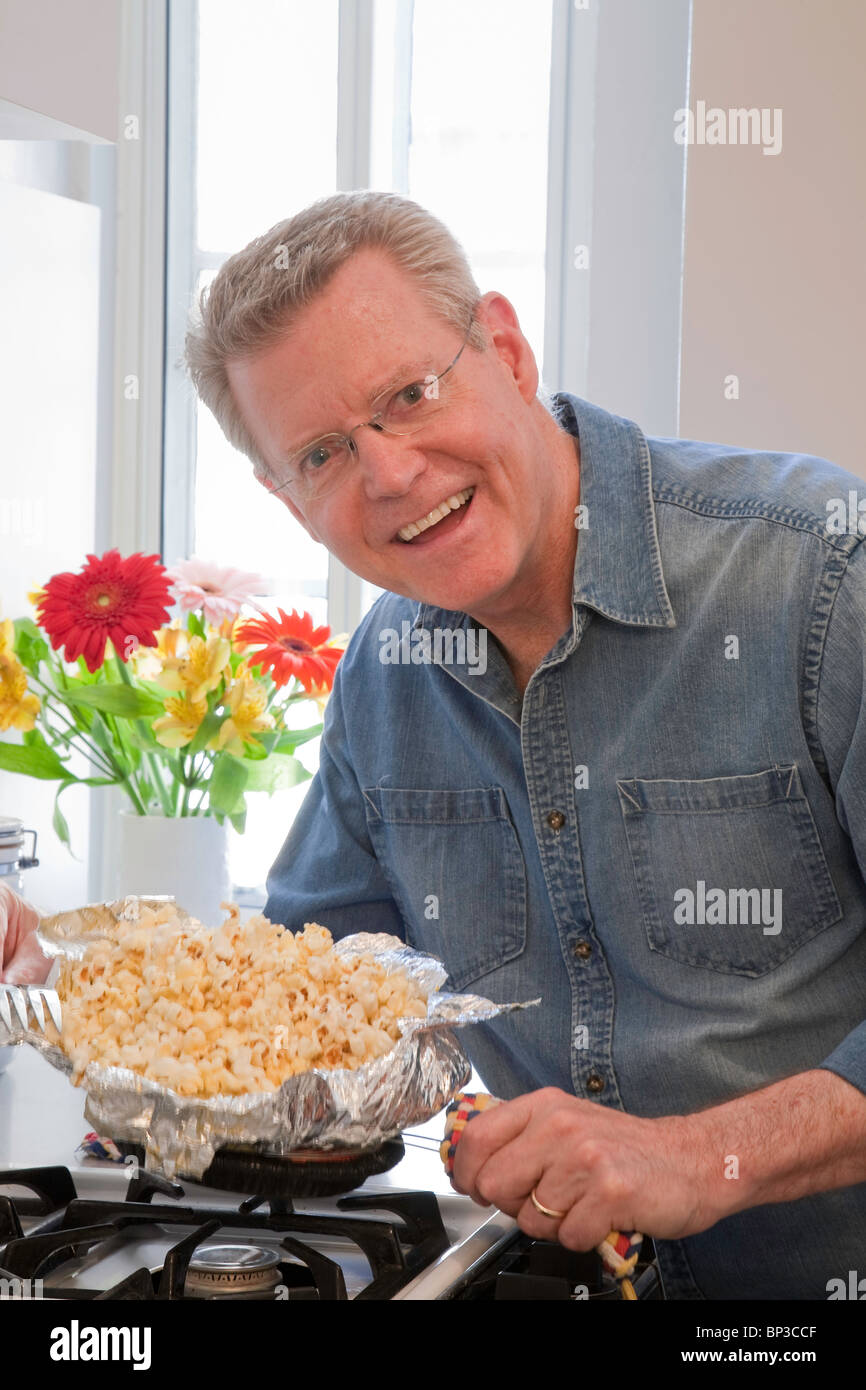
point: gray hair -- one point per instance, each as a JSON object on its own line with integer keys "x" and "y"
{"x": 257, "y": 292}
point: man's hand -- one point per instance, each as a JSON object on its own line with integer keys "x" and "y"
{"x": 21, "y": 960}
{"x": 604, "y": 1169}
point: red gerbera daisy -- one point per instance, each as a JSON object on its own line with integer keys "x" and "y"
{"x": 293, "y": 647}
{"x": 110, "y": 600}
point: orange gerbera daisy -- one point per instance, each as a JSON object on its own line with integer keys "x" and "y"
{"x": 292, "y": 647}
{"x": 110, "y": 600}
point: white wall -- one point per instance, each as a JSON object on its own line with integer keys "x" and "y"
{"x": 775, "y": 275}
{"x": 58, "y": 58}
{"x": 49, "y": 285}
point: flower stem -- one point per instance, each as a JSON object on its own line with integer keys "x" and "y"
{"x": 187, "y": 787}
{"x": 151, "y": 760}
{"x": 97, "y": 755}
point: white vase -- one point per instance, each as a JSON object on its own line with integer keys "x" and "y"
{"x": 186, "y": 856}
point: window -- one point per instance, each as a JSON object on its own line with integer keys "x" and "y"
{"x": 511, "y": 121}
{"x": 263, "y": 145}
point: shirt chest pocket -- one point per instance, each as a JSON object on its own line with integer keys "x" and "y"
{"x": 455, "y": 867}
{"x": 730, "y": 872}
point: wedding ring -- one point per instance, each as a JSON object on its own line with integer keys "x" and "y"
{"x": 546, "y": 1211}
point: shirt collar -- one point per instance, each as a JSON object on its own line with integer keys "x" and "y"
{"x": 618, "y": 567}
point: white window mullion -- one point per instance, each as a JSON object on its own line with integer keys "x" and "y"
{"x": 136, "y": 512}
{"x": 354, "y": 116}
{"x": 182, "y": 263}
{"x": 133, "y": 513}
{"x": 569, "y": 197}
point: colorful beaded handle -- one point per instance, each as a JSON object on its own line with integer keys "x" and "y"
{"x": 619, "y": 1252}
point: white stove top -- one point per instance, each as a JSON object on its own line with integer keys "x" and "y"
{"x": 42, "y": 1123}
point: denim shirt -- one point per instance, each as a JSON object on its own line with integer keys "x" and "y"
{"x": 665, "y": 839}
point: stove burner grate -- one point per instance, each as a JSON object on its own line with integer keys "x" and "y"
{"x": 397, "y": 1247}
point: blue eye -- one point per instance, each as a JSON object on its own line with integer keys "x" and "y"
{"x": 411, "y": 394}
{"x": 315, "y": 459}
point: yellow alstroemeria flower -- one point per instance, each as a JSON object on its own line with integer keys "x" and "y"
{"x": 7, "y": 638}
{"x": 202, "y": 668}
{"x": 247, "y": 699}
{"x": 181, "y": 723}
{"x": 18, "y": 707}
{"x": 172, "y": 645}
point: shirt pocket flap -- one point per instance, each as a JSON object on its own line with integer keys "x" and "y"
{"x": 730, "y": 872}
{"x": 456, "y": 870}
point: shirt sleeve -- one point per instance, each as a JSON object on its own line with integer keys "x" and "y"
{"x": 327, "y": 871}
{"x": 841, "y": 722}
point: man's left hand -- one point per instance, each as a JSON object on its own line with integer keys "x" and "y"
{"x": 604, "y": 1169}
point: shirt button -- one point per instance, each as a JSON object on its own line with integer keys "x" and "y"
{"x": 595, "y": 1083}
{"x": 582, "y": 949}
{"x": 555, "y": 819}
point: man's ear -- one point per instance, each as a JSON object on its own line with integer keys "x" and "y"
{"x": 499, "y": 318}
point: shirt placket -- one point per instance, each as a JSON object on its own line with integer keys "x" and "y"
{"x": 548, "y": 762}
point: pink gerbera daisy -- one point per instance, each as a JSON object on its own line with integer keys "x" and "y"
{"x": 220, "y": 593}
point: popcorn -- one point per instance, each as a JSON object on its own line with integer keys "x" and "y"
{"x": 228, "y": 1011}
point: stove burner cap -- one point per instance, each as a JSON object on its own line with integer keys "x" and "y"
{"x": 218, "y": 1268}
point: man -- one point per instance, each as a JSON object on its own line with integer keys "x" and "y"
{"x": 643, "y": 805}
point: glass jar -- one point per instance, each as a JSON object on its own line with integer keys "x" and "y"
{"x": 13, "y": 859}
{"x": 13, "y": 862}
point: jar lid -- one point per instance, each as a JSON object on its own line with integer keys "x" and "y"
{"x": 9, "y": 827}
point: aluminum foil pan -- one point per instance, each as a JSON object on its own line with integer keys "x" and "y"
{"x": 319, "y": 1109}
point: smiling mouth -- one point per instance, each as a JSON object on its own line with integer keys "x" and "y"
{"x": 451, "y": 504}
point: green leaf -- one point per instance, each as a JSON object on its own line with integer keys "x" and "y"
{"x": 30, "y": 646}
{"x": 159, "y": 692}
{"x": 255, "y": 752}
{"x": 195, "y": 625}
{"x": 277, "y": 773}
{"x": 28, "y": 626}
{"x": 101, "y": 734}
{"x": 227, "y": 784}
{"x": 58, "y": 820}
{"x": 207, "y": 729}
{"x": 123, "y": 700}
{"x": 138, "y": 739}
{"x": 32, "y": 761}
{"x": 239, "y": 820}
{"x": 293, "y": 738}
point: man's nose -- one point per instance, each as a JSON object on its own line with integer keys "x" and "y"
{"x": 389, "y": 463}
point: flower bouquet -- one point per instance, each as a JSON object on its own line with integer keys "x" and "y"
{"x": 186, "y": 715}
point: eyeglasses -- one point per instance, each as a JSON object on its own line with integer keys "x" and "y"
{"x": 324, "y": 463}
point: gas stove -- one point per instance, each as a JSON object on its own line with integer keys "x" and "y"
{"x": 252, "y": 1230}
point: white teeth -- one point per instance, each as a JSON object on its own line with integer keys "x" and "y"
{"x": 451, "y": 504}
